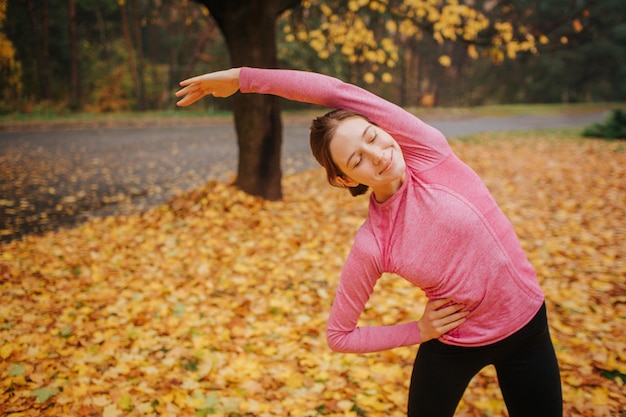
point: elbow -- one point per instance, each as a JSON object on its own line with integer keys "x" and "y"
{"x": 335, "y": 345}
{"x": 337, "y": 341}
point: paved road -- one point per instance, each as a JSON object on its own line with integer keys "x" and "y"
{"x": 490, "y": 124}
{"x": 56, "y": 178}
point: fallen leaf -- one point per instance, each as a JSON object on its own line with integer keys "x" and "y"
{"x": 215, "y": 303}
{"x": 44, "y": 394}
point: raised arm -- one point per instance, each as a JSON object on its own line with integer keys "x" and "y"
{"x": 421, "y": 143}
{"x": 294, "y": 85}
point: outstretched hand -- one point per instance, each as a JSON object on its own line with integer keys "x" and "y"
{"x": 219, "y": 84}
{"x": 440, "y": 316}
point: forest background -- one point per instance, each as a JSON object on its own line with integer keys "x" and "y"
{"x": 61, "y": 56}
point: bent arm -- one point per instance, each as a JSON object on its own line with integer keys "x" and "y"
{"x": 343, "y": 335}
{"x": 358, "y": 279}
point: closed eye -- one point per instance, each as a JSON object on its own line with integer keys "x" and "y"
{"x": 372, "y": 139}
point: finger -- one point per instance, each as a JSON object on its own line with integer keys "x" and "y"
{"x": 189, "y": 89}
{"x": 437, "y": 304}
{"x": 185, "y": 90}
{"x": 189, "y": 99}
{"x": 186, "y": 99}
{"x": 451, "y": 326}
{"x": 444, "y": 321}
{"x": 450, "y": 309}
{"x": 444, "y": 315}
{"x": 447, "y": 311}
{"x": 452, "y": 317}
{"x": 192, "y": 80}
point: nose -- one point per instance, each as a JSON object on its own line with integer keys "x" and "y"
{"x": 376, "y": 156}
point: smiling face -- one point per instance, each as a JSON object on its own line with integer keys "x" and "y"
{"x": 368, "y": 155}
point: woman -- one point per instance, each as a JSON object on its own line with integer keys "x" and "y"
{"x": 432, "y": 221}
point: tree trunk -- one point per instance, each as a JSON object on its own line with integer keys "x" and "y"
{"x": 36, "y": 80}
{"x": 45, "y": 58}
{"x": 74, "y": 80}
{"x": 249, "y": 28}
{"x": 141, "y": 89}
{"x": 128, "y": 40}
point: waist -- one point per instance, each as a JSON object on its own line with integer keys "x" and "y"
{"x": 490, "y": 324}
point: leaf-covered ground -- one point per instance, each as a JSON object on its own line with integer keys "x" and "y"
{"x": 215, "y": 303}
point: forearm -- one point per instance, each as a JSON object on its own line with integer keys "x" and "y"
{"x": 372, "y": 338}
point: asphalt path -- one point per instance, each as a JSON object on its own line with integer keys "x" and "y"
{"x": 55, "y": 178}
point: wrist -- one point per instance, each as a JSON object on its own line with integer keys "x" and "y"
{"x": 424, "y": 334}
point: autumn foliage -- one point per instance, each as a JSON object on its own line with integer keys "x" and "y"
{"x": 215, "y": 303}
{"x": 374, "y": 33}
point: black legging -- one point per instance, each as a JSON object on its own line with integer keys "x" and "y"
{"x": 527, "y": 368}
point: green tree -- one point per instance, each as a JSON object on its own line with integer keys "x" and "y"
{"x": 77, "y": 54}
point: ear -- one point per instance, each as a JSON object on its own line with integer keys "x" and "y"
{"x": 346, "y": 181}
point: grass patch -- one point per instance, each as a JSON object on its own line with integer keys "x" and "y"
{"x": 563, "y": 133}
{"x": 88, "y": 116}
{"x": 508, "y": 110}
{"x": 614, "y": 127}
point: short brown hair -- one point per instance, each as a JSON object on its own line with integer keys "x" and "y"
{"x": 322, "y": 132}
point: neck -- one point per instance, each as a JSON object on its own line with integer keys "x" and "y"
{"x": 387, "y": 191}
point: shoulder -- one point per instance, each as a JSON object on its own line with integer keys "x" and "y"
{"x": 366, "y": 248}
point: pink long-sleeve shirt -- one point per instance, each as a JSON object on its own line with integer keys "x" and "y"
{"x": 442, "y": 230}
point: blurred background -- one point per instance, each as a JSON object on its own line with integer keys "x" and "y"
{"x": 62, "y": 56}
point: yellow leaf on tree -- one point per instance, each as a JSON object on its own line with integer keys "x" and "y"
{"x": 578, "y": 27}
{"x": 445, "y": 61}
{"x": 472, "y": 52}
